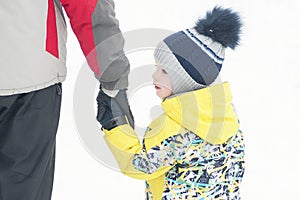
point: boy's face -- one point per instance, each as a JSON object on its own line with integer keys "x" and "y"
{"x": 162, "y": 82}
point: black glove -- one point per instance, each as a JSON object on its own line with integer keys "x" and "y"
{"x": 115, "y": 111}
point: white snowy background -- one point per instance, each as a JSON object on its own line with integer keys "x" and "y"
{"x": 264, "y": 75}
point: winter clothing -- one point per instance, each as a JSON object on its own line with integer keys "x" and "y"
{"x": 193, "y": 57}
{"x": 33, "y": 43}
{"x": 32, "y": 62}
{"x": 194, "y": 150}
{"x": 28, "y": 125}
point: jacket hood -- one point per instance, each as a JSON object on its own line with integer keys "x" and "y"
{"x": 207, "y": 112}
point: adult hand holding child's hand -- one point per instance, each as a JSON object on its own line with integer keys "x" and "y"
{"x": 114, "y": 111}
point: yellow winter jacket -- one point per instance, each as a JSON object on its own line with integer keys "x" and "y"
{"x": 207, "y": 112}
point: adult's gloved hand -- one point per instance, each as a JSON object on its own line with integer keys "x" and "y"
{"x": 114, "y": 111}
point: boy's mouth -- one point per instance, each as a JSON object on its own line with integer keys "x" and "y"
{"x": 156, "y": 87}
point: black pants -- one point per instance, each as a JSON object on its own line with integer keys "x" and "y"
{"x": 28, "y": 126}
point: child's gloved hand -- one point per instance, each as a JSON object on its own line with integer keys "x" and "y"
{"x": 114, "y": 111}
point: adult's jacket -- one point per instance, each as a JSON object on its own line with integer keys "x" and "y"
{"x": 33, "y": 43}
{"x": 194, "y": 150}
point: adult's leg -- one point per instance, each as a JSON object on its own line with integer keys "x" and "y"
{"x": 28, "y": 126}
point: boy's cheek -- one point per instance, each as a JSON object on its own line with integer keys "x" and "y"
{"x": 165, "y": 93}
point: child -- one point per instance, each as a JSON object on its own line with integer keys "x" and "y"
{"x": 195, "y": 149}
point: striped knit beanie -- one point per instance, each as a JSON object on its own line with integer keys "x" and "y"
{"x": 193, "y": 57}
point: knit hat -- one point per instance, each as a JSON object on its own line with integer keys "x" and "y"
{"x": 193, "y": 57}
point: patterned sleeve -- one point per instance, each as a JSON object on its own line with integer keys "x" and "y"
{"x": 167, "y": 153}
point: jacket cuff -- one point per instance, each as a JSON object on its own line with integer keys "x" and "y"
{"x": 114, "y": 122}
{"x": 111, "y": 93}
{"x": 120, "y": 84}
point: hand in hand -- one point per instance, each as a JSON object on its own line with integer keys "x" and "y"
{"x": 115, "y": 111}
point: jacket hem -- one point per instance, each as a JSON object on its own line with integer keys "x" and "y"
{"x": 12, "y": 91}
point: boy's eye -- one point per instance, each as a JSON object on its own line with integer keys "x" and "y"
{"x": 164, "y": 71}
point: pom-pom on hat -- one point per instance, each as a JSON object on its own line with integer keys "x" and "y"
{"x": 193, "y": 57}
